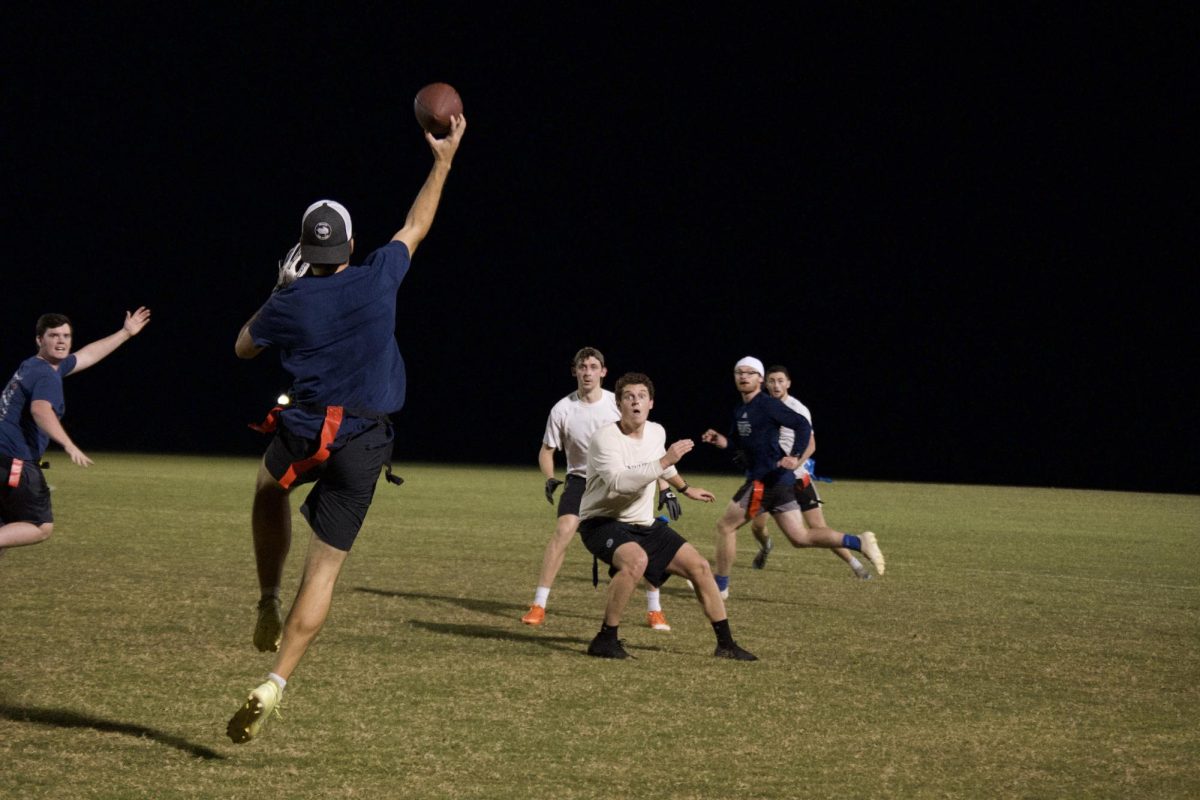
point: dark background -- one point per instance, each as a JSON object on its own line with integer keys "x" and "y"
{"x": 969, "y": 232}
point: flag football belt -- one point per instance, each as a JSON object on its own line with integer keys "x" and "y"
{"x": 14, "y": 473}
{"x": 334, "y": 415}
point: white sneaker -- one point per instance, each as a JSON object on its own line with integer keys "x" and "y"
{"x": 870, "y": 549}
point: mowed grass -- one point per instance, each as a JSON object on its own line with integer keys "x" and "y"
{"x": 1024, "y": 643}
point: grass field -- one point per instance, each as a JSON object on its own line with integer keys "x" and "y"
{"x": 1033, "y": 643}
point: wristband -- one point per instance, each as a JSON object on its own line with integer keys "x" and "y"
{"x": 683, "y": 489}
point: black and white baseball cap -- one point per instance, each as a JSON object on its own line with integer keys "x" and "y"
{"x": 325, "y": 233}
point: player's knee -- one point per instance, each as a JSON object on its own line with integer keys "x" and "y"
{"x": 634, "y": 564}
{"x": 44, "y": 531}
{"x": 699, "y": 569}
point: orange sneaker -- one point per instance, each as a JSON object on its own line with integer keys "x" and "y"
{"x": 657, "y": 620}
{"x": 536, "y": 615}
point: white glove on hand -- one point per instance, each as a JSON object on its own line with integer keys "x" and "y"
{"x": 290, "y": 268}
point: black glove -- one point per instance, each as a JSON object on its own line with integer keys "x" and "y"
{"x": 667, "y": 498}
{"x": 739, "y": 459}
{"x": 551, "y": 485}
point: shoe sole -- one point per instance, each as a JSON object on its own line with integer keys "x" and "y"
{"x": 870, "y": 548}
{"x": 268, "y": 632}
{"x": 247, "y": 722}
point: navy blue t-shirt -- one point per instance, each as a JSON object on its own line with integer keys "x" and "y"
{"x": 336, "y": 336}
{"x": 755, "y": 432}
{"x": 35, "y": 379}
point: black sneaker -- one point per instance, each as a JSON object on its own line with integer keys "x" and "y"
{"x": 732, "y": 650}
{"x": 764, "y": 550}
{"x": 606, "y": 648}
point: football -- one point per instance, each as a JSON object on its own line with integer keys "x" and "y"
{"x": 434, "y": 105}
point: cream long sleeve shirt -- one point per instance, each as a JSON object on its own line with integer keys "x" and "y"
{"x": 621, "y": 474}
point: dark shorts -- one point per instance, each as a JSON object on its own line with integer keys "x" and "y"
{"x": 603, "y": 535}
{"x": 807, "y": 496}
{"x": 344, "y": 483}
{"x": 29, "y": 500}
{"x": 756, "y": 497}
{"x": 572, "y": 495}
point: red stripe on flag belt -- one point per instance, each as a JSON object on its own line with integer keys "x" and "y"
{"x": 329, "y": 430}
{"x": 268, "y": 424}
{"x": 756, "y": 496}
{"x": 14, "y": 473}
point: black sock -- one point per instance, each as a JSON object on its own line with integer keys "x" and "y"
{"x": 722, "y": 630}
{"x": 608, "y": 631}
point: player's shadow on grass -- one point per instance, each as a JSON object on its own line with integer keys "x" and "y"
{"x": 60, "y": 718}
{"x": 570, "y": 644}
{"x": 495, "y": 608}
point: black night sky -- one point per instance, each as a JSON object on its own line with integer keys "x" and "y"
{"x": 970, "y": 232}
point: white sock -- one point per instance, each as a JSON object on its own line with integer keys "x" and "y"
{"x": 653, "y": 600}
{"x": 855, "y": 565}
{"x": 277, "y": 680}
{"x": 541, "y": 596}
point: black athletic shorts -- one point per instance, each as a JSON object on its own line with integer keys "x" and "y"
{"x": 756, "y": 497}
{"x": 29, "y": 500}
{"x": 572, "y": 495}
{"x": 603, "y": 535}
{"x": 807, "y": 496}
{"x": 344, "y": 483}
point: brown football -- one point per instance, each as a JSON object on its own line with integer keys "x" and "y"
{"x": 434, "y": 105}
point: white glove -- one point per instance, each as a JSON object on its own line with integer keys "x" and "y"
{"x": 290, "y": 268}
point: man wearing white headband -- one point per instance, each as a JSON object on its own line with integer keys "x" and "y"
{"x": 770, "y": 479}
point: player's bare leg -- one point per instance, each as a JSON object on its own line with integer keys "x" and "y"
{"x": 552, "y": 561}
{"x": 630, "y": 562}
{"x": 815, "y": 518}
{"x": 690, "y": 564}
{"x": 733, "y": 518}
{"x": 792, "y": 525}
{"x": 308, "y": 614}
{"x": 19, "y": 534}
{"x": 311, "y": 606}
{"x": 271, "y": 524}
{"x": 759, "y": 528}
{"x": 556, "y": 549}
{"x": 695, "y": 568}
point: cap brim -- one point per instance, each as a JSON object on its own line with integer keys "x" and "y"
{"x": 333, "y": 254}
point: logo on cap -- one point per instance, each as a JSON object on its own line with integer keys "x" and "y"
{"x": 322, "y": 231}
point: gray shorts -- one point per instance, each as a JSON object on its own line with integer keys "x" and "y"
{"x": 756, "y": 497}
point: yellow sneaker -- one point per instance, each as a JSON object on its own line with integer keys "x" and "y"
{"x": 536, "y": 615}
{"x": 250, "y": 718}
{"x": 657, "y": 620}
{"x": 269, "y": 628}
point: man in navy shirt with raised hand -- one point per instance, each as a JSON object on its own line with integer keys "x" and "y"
{"x": 335, "y": 331}
{"x": 31, "y": 410}
{"x": 770, "y": 479}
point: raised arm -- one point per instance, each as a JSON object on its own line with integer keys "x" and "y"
{"x": 424, "y": 208}
{"x": 89, "y": 354}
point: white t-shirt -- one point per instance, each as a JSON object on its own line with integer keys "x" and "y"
{"x": 572, "y": 423}
{"x": 787, "y": 436}
{"x": 622, "y": 473}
